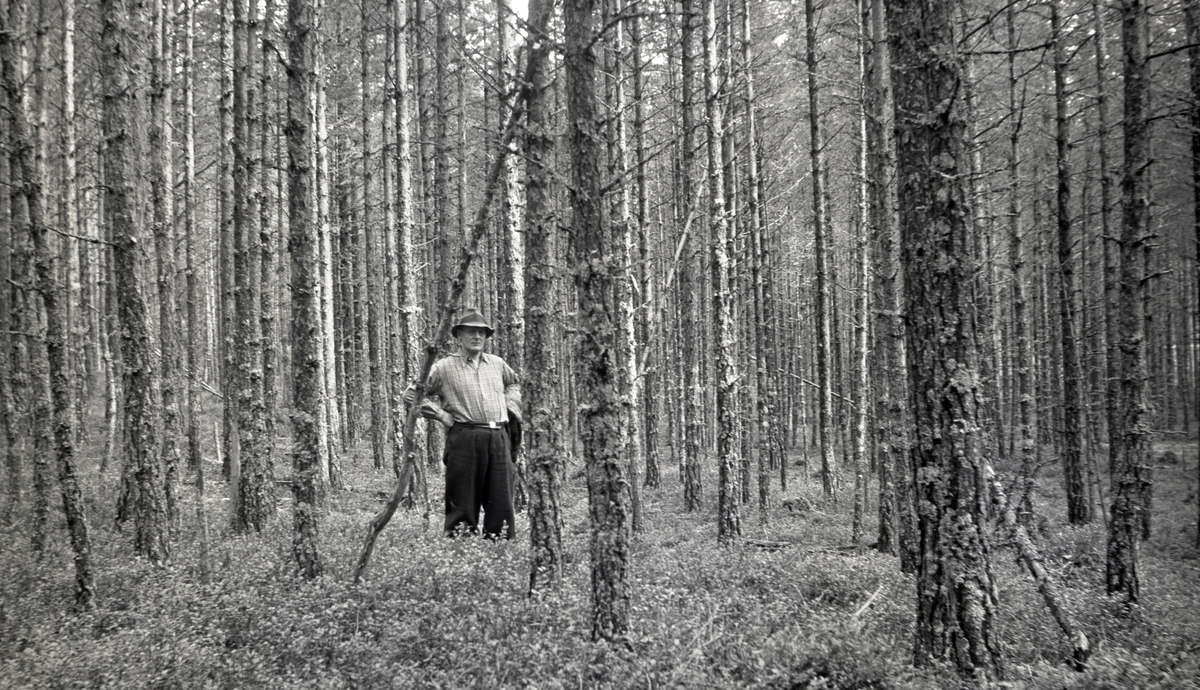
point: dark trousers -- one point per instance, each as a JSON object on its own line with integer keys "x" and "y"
{"x": 479, "y": 474}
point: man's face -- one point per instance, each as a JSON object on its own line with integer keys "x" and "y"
{"x": 471, "y": 339}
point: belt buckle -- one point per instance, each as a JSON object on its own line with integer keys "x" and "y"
{"x": 493, "y": 425}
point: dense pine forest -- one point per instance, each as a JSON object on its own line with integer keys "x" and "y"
{"x": 858, "y": 342}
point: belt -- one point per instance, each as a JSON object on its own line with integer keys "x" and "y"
{"x": 482, "y": 425}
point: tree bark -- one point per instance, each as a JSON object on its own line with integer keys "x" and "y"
{"x": 254, "y": 501}
{"x": 590, "y": 258}
{"x": 729, "y": 527}
{"x": 124, "y": 26}
{"x": 162, "y": 181}
{"x": 195, "y": 311}
{"x": 9, "y": 339}
{"x": 543, "y": 428}
{"x": 1078, "y": 508}
{"x": 1129, "y": 446}
{"x": 956, "y": 601}
{"x": 307, "y": 357}
{"x": 1193, "y": 32}
{"x": 1023, "y": 360}
{"x": 693, "y": 488}
{"x": 821, "y": 252}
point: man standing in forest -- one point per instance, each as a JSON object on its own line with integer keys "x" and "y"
{"x": 475, "y": 395}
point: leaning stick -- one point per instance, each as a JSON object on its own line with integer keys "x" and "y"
{"x": 1032, "y": 559}
{"x": 457, "y": 285}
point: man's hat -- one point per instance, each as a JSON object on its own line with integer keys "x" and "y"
{"x": 472, "y": 318}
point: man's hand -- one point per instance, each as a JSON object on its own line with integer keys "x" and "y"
{"x": 431, "y": 410}
{"x": 410, "y": 395}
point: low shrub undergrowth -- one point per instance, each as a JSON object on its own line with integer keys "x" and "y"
{"x": 795, "y": 607}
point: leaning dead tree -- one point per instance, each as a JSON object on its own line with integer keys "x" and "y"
{"x": 1031, "y": 558}
{"x": 454, "y": 294}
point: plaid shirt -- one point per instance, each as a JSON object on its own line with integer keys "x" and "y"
{"x": 475, "y": 393}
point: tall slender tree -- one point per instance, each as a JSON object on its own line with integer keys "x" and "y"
{"x": 1078, "y": 507}
{"x": 721, "y": 245}
{"x": 822, "y": 252}
{"x": 254, "y": 483}
{"x": 124, "y": 25}
{"x": 693, "y": 424}
{"x": 1193, "y": 33}
{"x": 307, "y": 357}
{"x": 543, "y": 444}
{"x": 1129, "y": 442}
{"x": 590, "y": 258}
{"x": 162, "y": 190}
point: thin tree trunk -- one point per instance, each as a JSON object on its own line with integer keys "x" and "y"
{"x": 543, "y": 435}
{"x": 1078, "y": 510}
{"x": 822, "y": 254}
{"x": 1130, "y": 445}
{"x": 1111, "y": 244}
{"x": 55, "y": 384}
{"x": 376, "y": 297}
{"x": 590, "y": 256}
{"x": 253, "y": 489}
{"x": 8, "y": 336}
{"x": 693, "y": 488}
{"x": 268, "y": 307}
{"x": 406, "y": 357}
{"x": 195, "y": 311}
{"x": 162, "y": 180}
{"x": 123, "y": 28}
{"x": 896, "y": 517}
{"x": 308, "y": 399}
{"x": 1193, "y": 32}
{"x": 228, "y": 303}
{"x": 766, "y": 371}
{"x": 729, "y": 525}
{"x": 1023, "y": 361}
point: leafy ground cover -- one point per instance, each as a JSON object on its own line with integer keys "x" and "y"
{"x": 437, "y": 613}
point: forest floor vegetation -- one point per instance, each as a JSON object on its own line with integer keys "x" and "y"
{"x": 796, "y": 606}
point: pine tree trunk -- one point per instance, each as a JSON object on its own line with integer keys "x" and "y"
{"x": 195, "y": 310}
{"x": 269, "y": 237}
{"x": 254, "y": 501}
{"x": 1023, "y": 361}
{"x": 8, "y": 337}
{"x": 1129, "y": 446}
{"x": 1078, "y": 509}
{"x": 375, "y": 291}
{"x": 55, "y": 382}
{"x": 1193, "y": 33}
{"x": 1111, "y": 248}
{"x": 543, "y": 429}
{"x": 766, "y": 371}
{"x": 407, "y": 352}
{"x": 23, "y": 305}
{"x": 228, "y": 300}
{"x": 956, "y": 601}
{"x": 123, "y": 28}
{"x": 334, "y": 420}
{"x": 895, "y": 481}
{"x": 162, "y": 181}
{"x": 600, "y": 401}
{"x": 862, "y": 344}
{"x": 693, "y": 490}
{"x": 822, "y": 253}
{"x": 303, "y": 238}
{"x": 721, "y": 245}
